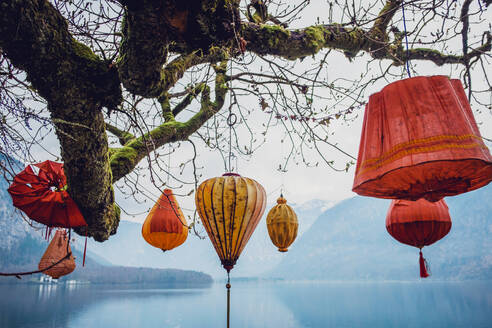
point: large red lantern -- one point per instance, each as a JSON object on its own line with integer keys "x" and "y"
{"x": 418, "y": 223}
{"x": 420, "y": 139}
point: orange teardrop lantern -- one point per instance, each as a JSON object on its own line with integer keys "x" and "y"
{"x": 282, "y": 225}
{"x": 420, "y": 140}
{"x": 165, "y": 227}
{"x": 230, "y": 208}
{"x": 418, "y": 223}
{"x": 57, "y": 250}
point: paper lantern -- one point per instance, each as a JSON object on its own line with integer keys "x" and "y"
{"x": 230, "y": 208}
{"x": 282, "y": 225}
{"x": 420, "y": 139}
{"x": 418, "y": 223}
{"x": 57, "y": 250}
{"x": 165, "y": 227}
{"x": 43, "y": 196}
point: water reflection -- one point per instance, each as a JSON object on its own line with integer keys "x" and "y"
{"x": 289, "y": 305}
{"x": 389, "y": 304}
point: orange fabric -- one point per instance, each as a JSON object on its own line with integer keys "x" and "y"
{"x": 165, "y": 227}
{"x": 420, "y": 139}
{"x": 42, "y": 196}
{"x": 418, "y": 223}
{"x": 57, "y": 249}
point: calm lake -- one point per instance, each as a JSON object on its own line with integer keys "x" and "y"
{"x": 254, "y": 304}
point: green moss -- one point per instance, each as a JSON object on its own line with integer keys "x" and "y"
{"x": 315, "y": 38}
{"x": 84, "y": 51}
{"x": 274, "y": 34}
{"x": 165, "y": 130}
{"x": 123, "y": 157}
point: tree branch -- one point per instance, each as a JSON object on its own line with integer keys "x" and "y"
{"x": 123, "y": 136}
{"x": 277, "y": 41}
{"x": 151, "y": 27}
{"x": 123, "y": 160}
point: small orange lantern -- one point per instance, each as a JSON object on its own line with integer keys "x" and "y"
{"x": 420, "y": 140}
{"x": 282, "y": 225}
{"x": 58, "y": 249}
{"x": 165, "y": 227}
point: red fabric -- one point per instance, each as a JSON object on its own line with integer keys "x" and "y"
{"x": 166, "y": 215}
{"x": 420, "y": 139}
{"x": 58, "y": 248}
{"x": 420, "y": 223}
{"x": 423, "y": 267}
{"x": 42, "y": 198}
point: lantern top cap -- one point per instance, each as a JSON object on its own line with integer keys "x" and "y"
{"x": 230, "y": 174}
{"x": 414, "y": 78}
{"x": 281, "y": 200}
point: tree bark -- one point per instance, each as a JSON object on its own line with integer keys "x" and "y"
{"x": 76, "y": 85}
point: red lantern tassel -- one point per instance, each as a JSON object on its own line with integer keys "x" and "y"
{"x": 85, "y": 247}
{"x": 423, "y": 267}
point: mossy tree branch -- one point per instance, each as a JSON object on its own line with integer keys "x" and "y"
{"x": 123, "y": 136}
{"x": 123, "y": 160}
{"x": 293, "y": 44}
{"x": 194, "y": 29}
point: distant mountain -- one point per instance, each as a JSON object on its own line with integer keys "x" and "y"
{"x": 132, "y": 275}
{"x": 350, "y": 242}
{"x": 128, "y": 248}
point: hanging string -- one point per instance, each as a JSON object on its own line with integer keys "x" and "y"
{"x": 228, "y": 286}
{"x": 231, "y": 120}
{"x": 85, "y": 246}
{"x": 282, "y": 169}
{"x": 168, "y": 165}
{"x": 407, "y": 59}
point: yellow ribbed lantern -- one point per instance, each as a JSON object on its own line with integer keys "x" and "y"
{"x": 282, "y": 225}
{"x": 165, "y": 227}
{"x": 230, "y": 207}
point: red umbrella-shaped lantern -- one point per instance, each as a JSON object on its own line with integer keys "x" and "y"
{"x": 40, "y": 192}
{"x": 420, "y": 140}
{"x": 418, "y": 223}
{"x": 42, "y": 196}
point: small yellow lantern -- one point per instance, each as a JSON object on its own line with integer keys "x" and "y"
{"x": 165, "y": 227}
{"x": 282, "y": 225}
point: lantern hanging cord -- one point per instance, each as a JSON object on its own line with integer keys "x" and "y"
{"x": 228, "y": 286}
{"x": 282, "y": 169}
{"x": 407, "y": 59}
{"x": 231, "y": 120}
